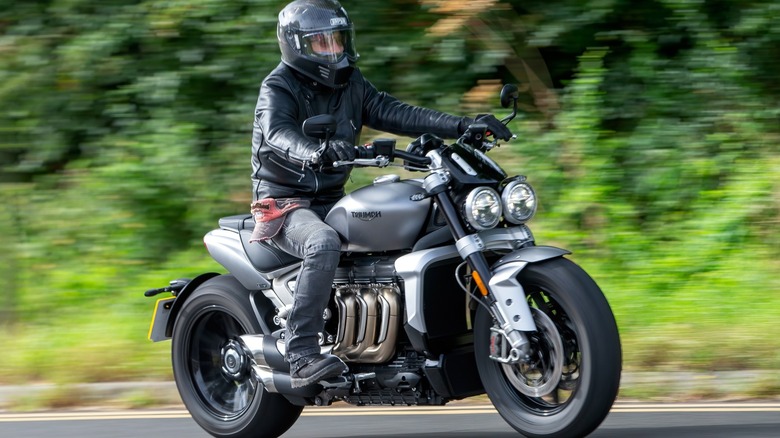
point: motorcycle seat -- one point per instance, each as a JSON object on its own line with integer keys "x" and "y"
{"x": 237, "y": 222}
{"x": 265, "y": 256}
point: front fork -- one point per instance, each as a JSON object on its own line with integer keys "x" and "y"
{"x": 501, "y": 292}
{"x": 505, "y": 298}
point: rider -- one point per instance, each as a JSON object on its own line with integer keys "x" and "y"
{"x": 291, "y": 196}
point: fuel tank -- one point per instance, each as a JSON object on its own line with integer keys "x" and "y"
{"x": 382, "y": 216}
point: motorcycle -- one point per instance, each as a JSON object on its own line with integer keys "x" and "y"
{"x": 441, "y": 294}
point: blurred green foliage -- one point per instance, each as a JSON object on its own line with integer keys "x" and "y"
{"x": 650, "y": 130}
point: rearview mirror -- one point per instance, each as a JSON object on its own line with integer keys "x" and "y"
{"x": 509, "y": 94}
{"x": 322, "y": 126}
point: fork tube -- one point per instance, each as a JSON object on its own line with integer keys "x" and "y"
{"x": 476, "y": 260}
{"x": 450, "y": 215}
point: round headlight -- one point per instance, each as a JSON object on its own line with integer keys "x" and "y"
{"x": 519, "y": 201}
{"x": 483, "y": 208}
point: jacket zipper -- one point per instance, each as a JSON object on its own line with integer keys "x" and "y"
{"x": 354, "y": 131}
{"x": 272, "y": 158}
{"x": 309, "y": 113}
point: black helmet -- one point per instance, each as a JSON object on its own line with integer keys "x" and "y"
{"x": 317, "y": 39}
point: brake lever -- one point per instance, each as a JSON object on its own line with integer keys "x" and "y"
{"x": 380, "y": 161}
{"x": 488, "y": 145}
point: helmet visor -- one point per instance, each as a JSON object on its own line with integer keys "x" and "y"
{"x": 329, "y": 45}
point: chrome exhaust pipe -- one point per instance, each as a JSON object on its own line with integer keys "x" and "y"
{"x": 266, "y": 359}
{"x": 266, "y": 351}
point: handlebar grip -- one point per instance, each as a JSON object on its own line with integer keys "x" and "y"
{"x": 412, "y": 158}
{"x": 364, "y": 152}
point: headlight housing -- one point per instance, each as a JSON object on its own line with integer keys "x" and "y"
{"x": 519, "y": 202}
{"x": 483, "y": 208}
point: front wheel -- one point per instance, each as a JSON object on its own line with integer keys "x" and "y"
{"x": 211, "y": 372}
{"x": 567, "y": 384}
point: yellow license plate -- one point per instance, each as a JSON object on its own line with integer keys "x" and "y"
{"x": 162, "y": 310}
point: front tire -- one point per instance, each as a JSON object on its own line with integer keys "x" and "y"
{"x": 213, "y": 380}
{"x": 580, "y": 329}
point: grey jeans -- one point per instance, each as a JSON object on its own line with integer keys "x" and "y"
{"x": 305, "y": 235}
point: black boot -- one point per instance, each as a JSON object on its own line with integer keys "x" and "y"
{"x": 311, "y": 369}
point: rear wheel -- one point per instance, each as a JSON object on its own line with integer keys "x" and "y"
{"x": 569, "y": 381}
{"x": 211, "y": 372}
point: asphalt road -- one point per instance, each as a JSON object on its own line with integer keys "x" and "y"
{"x": 746, "y": 420}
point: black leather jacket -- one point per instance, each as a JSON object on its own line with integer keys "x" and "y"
{"x": 279, "y": 147}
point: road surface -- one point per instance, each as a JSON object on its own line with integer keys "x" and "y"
{"x": 745, "y": 420}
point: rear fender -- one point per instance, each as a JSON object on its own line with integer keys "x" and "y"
{"x": 182, "y": 296}
{"x": 254, "y": 299}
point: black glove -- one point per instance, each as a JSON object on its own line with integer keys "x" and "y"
{"x": 495, "y": 127}
{"x": 338, "y": 150}
{"x": 423, "y": 144}
{"x": 498, "y": 129}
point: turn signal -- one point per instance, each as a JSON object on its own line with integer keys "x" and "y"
{"x": 480, "y": 283}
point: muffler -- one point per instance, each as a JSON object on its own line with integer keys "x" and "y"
{"x": 270, "y": 368}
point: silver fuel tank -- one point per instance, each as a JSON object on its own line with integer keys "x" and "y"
{"x": 382, "y": 216}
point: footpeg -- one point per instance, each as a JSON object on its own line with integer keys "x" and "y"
{"x": 340, "y": 382}
{"x": 346, "y": 382}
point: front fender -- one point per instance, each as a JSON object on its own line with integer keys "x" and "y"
{"x": 507, "y": 290}
{"x": 531, "y": 254}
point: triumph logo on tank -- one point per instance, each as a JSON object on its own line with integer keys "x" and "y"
{"x": 366, "y": 215}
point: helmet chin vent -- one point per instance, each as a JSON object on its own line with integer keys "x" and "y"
{"x": 324, "y": 72}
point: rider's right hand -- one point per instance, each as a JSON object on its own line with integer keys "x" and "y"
{"x": 339, "y": 150}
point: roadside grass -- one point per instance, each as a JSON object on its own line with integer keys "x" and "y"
{"x": 73, "y": 396}
{"x": 59, "y": 397}
{"x": 659, "y": 390}
{"x": 765, "y": 387}
{"x": 103, "y": 338}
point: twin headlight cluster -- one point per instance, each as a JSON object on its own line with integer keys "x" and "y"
{"x": 484, "y": 207}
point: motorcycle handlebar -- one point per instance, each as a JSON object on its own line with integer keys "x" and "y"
{"x": 372, "y": 152}
{"x": 366, "y": 156}
{"x": 413, "y": 158}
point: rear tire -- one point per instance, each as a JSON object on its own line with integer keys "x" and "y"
{"x": 215, "y": 384}
{"x": 591, "y": 352}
